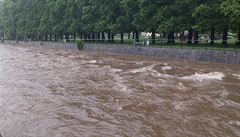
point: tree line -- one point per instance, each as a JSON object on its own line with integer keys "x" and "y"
{"x": 92, "y": 19}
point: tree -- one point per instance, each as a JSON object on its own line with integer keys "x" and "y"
{"x": 208, "y": 16}
{"x": 231, "y": 9}
{"x": 40, "y": 19}
{"x": 148, "y": 17}
{"x": 168, "y": 19}
{"x": 132, "y": 16}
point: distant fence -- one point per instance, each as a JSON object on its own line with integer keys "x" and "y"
{"x": 176, "y": 43}
{"x": 163, "y": 41}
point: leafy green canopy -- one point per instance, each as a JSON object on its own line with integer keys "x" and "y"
{"x": 33, "y": 18}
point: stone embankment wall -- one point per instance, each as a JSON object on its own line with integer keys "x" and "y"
{"x": 226, "y": 57}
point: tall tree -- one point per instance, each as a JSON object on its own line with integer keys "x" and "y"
{"x": 231, "y": 9}
{"x": 209, "y": 18}
{"x": 148, "y": 17}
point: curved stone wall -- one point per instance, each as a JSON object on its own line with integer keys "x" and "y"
{"x": 226, "y": 57}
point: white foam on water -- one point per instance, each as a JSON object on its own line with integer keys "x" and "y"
{"x": 178, "y": 105}
{"x": 181, "y": 86}
{"x": 121, "y": 87}
{"x": 236, "y": 123}
{"x": 120, "y": 108}
{"x": 119, "y": 82}
{"x": 93, "y": 66}
{"x": 205, "y": 76}
{"x": 142, "y": 69}
{"x": 139, "y": 63}
{"x": 226, "y": 103}
{"x": 224, "y": 93}
{"x": 76, "y": 57}
{"x": 166, "y": 68}
{"x": 150, "y": 70}
{"x": 89, "y": 62}
{"x": 117, "y": 70}
{"x": 92, "y": 61}
{"x": 113, "y": 70}
{"x": 236, "y": 75}
{"x": 155, "y": 73}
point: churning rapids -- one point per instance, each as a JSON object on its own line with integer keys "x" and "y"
{"x": 47, "y": 92}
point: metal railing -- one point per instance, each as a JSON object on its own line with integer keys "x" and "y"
{"x": 166, "y": 43}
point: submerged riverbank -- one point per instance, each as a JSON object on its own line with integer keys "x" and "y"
{"x": 214, "y": 56}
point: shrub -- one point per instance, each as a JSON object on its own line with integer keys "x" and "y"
{"x": 79, "y": 44}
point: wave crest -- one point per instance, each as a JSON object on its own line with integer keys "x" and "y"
{"x": 205, "y": 76}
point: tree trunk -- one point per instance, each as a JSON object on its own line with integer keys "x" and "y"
{"x": 103, "y": 36}
{"x": 3, "y": 38}
{"x": 182, "y": 37}
{"x": 61, "y": 37}
{"x": 46, "y": 37}
{"x": 129, "y": 35}
{"x": 196, "y": 37}
{"x": 153, "y": 36}
{"x": 93, "y": 37}
{"x": 81, "y": 35}
{"x": 238, "y": 42}
{"x": 32, "y": 37}
{"x": 99, "y": 37}
{"x": 14, "y": 36}
{"x": 212, "y": 37}
{"x": 137, "y": 36}
{"x": 50, "y": 36}
{"x": 224, "y": 36}
{"x": 25, "y": 38}
{"x": 67, "y": 37}
{"x": 55, "y": 37}
{"x": 109, "y": 36}
{"x": 74, "y": 36}
{"x": 85, "y": 36}
{"x": 122, "y": 37}
{"x": 171, "y": 37}
{"x": 164, "y": 35}
{"x": 112, "y": 37}
{"x": 190, "y": 35}
{"x": 89, "y": 37}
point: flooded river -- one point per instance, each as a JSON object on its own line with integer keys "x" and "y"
{"x": 46, "y": 92}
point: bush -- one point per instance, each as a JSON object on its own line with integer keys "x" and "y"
{"x": 79, "y": 44}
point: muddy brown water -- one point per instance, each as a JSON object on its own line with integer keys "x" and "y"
{"x": 47, "y": 92}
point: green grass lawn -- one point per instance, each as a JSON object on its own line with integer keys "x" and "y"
{"x": 199, "y": 47}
